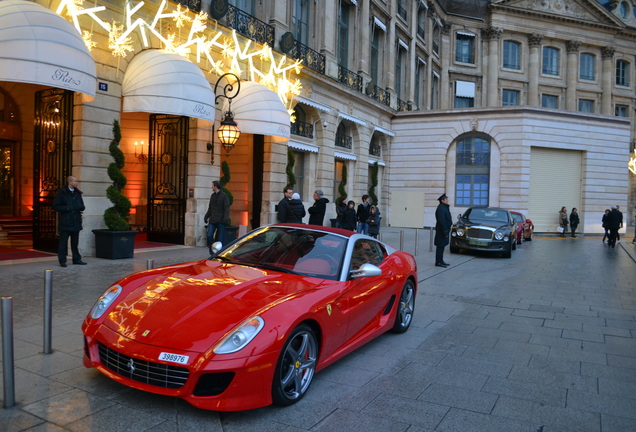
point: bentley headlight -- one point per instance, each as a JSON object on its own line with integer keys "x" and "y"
{"x": 240, "y": 336}
{"x": 499, "y": 235}
{"x": 105, "y": 301}
{"x": 460, "y": 233}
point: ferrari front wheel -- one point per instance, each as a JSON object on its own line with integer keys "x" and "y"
{"x": 405, "y": 308}
{"x": 296, "y": 366}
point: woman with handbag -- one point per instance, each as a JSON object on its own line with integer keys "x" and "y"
{"x": 563, "y": 221}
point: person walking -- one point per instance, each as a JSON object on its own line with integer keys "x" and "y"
{"x": 69, "y": 204}
{"x": 217, "y": 215}
{"x": 605, "y": 225}
{"x": 363, "y": 214}
{"x": 349, "y": 216}
{"x": 574, "y": 221}
{"x": 318, "y": 209}
{"x": 613, "y": 222}
{"x": 341, "y": 207}
{"x": 282, "y": 209}
{"x": 563, "y": 221}
{"x": 618, "y": 234}
{"x": 374, "y": 221}
{"x": 443, "y": 223}
{"x": 296, "y": 210}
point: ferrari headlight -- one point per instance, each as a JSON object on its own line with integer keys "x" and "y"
{"x": 240, "y": 336}
{"x": 105, "y": 301}
{"x": 499, "y": 235}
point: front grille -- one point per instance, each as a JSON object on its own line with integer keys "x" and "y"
{"x": 478, "y": 233}
{"x": 156, "y": 374}
{"x": 213, "y": 384}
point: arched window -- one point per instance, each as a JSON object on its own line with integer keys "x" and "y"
{"x": 300, "y": 126}
{"x": 472, "y": 171}
{"x": 343, "y": 139}
{"x": 375, "y": 149}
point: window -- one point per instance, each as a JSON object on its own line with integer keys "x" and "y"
{"x": 464, "y": 48}
{"x": 400, "y": 69}
{"x": 300, "y": 21}
{"x": 435, "y": 91}
{"x": 376, "y": 54}
{"x": 472, "y": 176}
{"x": 420, "y": 84}
{"x": 244, "y": 5}
{"x": 464, "y": 94}
{"x": 621, "y": 110}
{"x": 587, "y": 68}
{"x": 337, "y": 178}
{"x": 622, "y": 73}
{"x": 299, "y": 173}
{"x": 421, "y": 21}
{"x": 586, "y": 105}
{"x": 437, "y": 31}
{"x": 343, "y": 35}
{"x": 623, "y": 9}
{"x": 512, "y": 55}
{"x": 375, "y": 149}
{"x": 301, "y": 126}
{"x": 550, "y": 61}
{"x": 549, "y": 101}
{"x": 366, "y": 251}
{"x": 509, "y": 97}
{"x": 401, "y": 8}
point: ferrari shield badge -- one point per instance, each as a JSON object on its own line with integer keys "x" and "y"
{"x": 329, "y": 309}
{"x": 144, "y": 334}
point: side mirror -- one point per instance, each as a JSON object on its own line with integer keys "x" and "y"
{"x": 459, "y": 216}
{"x": 365, "y": 270}
{"x": 216, "y": 247}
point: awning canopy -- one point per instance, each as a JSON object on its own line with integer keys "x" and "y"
{"x": 258, "y": 110}
{"x": 158, "y": 81}
{"x": 38, "y": 46}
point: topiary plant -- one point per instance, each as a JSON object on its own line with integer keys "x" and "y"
{"x": 374, "y": 183}
{"x": 116, "y": 216}
{"x": 343, "y": 182}
{"x": 291, "y": 161}
{"x": 225, "y": 179}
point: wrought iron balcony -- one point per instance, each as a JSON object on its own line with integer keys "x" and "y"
{"x": 344, "y": 141}
{"x": 379, "y": 94}
{"x": 302, "y": 129}
{"x": 312, "y": 59}
{"x": 350, "y": 79}
{"x": 375, "y": 149}
{"x": 193, "y": 5}
{"x": 249, "y": 26}
{"x": 404, "y": 105}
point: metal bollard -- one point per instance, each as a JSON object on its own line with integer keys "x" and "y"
{"x": 417, "y": 239}
{"x": 150, "y": 264}
{"x": 8, "y": 369}
{"x": 401, "y": 240}
{"x": 430, "y": 242}
{"x": 48, "y": 310}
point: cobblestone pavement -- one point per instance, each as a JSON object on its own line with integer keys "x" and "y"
{"x": 545, "y": 341}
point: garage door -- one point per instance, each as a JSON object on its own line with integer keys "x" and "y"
{"x": 555, "y": 181}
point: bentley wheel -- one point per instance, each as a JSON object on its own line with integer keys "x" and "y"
{"x": 296, "y": 366}
{"x": 507, "y": 253}
{"x": 405, "y": 308}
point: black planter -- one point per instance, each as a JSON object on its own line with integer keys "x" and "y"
{"x": 231, "y": 233}
{"x": 114, "y": 244}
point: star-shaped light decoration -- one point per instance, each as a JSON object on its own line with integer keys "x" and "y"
{"x": 631, "y": 165}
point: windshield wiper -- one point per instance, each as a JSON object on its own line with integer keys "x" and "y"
{"x": 266, "y": 266}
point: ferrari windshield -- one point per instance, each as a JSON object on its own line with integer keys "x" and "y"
{"x": 291, "y": 250}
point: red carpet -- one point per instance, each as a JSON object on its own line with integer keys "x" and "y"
{"x": 9, "y": 253}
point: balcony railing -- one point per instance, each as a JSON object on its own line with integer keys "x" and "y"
{"x": 312, "y": 59}
{"x": 302, "y": 129}
{"x": 375, "y": 150}
{"x": 250, "y": 26}
{"x": 404, "y": 105}
{"x": 350, "y": 79}
{"x": 382, "y": 96}
{"x": 344, "y": 141}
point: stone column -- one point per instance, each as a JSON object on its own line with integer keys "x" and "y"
{"x": 534, "y": 41}
{"x": 446, "y": 93}
{"x": 606, "y": 83}
{"x": 363, "y": 50}
{"x": 492, "y": 35}
{"x": 412, "y": 65}
{"x": 572, "y": 48}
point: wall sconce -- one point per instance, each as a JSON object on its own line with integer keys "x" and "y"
{"x": 228, "y": 132}
{"x": 141, "y": 157}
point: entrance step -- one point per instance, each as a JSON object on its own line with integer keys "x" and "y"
{"x": 16, "y": 226}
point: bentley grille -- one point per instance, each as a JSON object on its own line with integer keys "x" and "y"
{"x": 477, "y": 233}
{"x": 156, "y": 374}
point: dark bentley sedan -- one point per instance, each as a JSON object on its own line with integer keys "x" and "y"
{"x": 484, "y": 229}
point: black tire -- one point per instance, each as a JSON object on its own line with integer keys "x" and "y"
{"x": 507, "y": 253}
{"x": 296, "y": 366}
{"x": 514, "y": 245}
{"x": 454, "y": 249}
{"x": 405, "y": 308}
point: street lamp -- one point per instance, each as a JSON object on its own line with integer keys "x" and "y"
{"x": 228, "y": 132}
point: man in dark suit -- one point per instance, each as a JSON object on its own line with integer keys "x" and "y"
{"x": 69, "y": 204}
{"x": 443, "y": 223}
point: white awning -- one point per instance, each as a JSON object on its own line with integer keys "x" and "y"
{"x": 312, "y": 103}
{"x": 352, "y": 119}
{"x": 345, "y": 156}
{"x": 258, "y": 110}
{"x": 465, "y": 89}
{"x": 384, "y": 131}
{"x": 466, "y": 34}
{"x": 158, "y": 81}
{"x": 302, "y": 146}
{"x": 380, "y": 162}
{"x": 379, "y": 24}
{"x": 403, "y": 44}
{"x": 38, "y": 46}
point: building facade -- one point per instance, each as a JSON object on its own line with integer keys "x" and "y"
{"x": 528, "y": 105}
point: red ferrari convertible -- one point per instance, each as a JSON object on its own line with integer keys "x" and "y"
{"x": 251, "y": 325}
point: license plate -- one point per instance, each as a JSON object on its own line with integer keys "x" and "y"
{"x": 173, "y": 358}
{"x": 478, "y": 242}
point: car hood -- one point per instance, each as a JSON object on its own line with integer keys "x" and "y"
{"x": 192, "y": 307}
{"x": 465, "y": 222}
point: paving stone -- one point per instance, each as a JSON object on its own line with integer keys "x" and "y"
{"x": 458, "y": 397}
{"x": 461, "y": 421}
{"x": 525, "y": 390}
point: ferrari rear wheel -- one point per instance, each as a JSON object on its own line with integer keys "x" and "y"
{"x": 296, "y": 366}
{"x": 405, "y": 308}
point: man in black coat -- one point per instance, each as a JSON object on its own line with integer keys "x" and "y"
{"x": 69, "y": 204}
{"x": 282, "y": 209}
{"x": 613, "y": 222}
{"x": 443, "y": 223}
{"x": 217, "y": 215}
{"x": 317, "y": 211}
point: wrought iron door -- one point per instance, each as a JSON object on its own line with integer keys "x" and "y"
{"x": 167, "y": 178}
{"x": 53, "y": 146}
